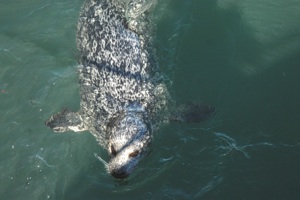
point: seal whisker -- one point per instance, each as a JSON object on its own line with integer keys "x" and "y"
{"x": 101, "y": 160}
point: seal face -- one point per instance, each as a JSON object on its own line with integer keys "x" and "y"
{"x": 128, "y": 142}
{"x": 123, "y": 97}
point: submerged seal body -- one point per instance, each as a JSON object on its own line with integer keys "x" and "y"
{"x": 123, "y": 97}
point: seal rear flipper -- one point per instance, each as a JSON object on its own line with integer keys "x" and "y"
{"x": 65, "y": 120}
{"x": 192, "y": 112}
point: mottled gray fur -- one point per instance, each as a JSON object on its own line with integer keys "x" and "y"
{"x": 120, "y": 94}
{"x": 123, "y": 97}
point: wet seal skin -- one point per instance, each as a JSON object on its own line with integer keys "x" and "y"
{"x": 123, "y": 96}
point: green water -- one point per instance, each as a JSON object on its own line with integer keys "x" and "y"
{"x": 241, "y": 56}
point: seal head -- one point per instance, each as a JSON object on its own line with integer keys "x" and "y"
{"x": 129, "y": 139}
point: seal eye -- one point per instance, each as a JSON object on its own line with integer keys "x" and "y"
{"x": 134, "y": 154}
{"x": 113, "y": 151}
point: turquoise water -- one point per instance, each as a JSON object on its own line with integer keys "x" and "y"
{"x": 240, "y": 56}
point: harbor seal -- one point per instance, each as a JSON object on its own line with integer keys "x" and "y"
{"x": 123, "y": 95}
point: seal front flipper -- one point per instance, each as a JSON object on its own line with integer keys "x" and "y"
{"x": 192, "y": 112}
{"x": 66, "y": 120}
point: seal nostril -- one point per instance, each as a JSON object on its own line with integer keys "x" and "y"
{"x": 119, "y": 174}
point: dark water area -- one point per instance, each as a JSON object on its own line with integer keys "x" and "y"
{"x": 242, "y": 57}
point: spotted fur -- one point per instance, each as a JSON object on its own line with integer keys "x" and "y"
{"x": 123, "y": 97}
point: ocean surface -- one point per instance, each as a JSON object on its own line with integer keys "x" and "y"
{"x": 240, "y": 56}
